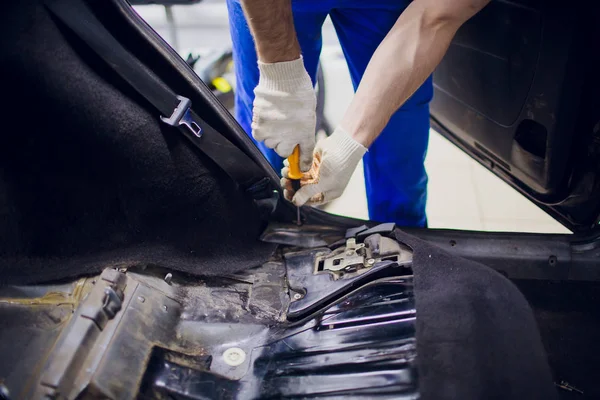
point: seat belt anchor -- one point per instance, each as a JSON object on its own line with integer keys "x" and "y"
{"x": 182, "y": 116}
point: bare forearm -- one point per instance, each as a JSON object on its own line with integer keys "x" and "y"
{"x": 272, "y": 25}
{"x": 404, "y": 59}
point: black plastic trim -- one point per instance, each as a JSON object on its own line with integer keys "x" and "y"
{"x": 524, "y": 255}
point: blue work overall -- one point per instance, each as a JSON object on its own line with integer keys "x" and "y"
{"x": 395, "y": 177}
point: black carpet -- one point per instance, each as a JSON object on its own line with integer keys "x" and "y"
{"x": 569, "y": 321}
{"x": 90, "y": 179}
{"x": 476, "y": 334}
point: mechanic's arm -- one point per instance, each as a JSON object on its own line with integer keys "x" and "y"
{"x": 405, "y": 58}
{"x": 272, "y": 26}
{"x": 285, "y": 102}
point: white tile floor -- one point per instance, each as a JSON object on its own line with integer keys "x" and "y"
{"x": 462, "y": 194}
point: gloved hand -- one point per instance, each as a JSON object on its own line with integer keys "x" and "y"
{"x": 284, "y": 113}
{"x": 335, "y": 159}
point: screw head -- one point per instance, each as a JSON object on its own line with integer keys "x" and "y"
{"x": 349, "y": 253}
{"x": 169, "y": 278}
{"x": 371, "y": 261}
{"x": 165, "y": 308}
{"x": 297, "y": 296}
{"x": 141, "y": 299}
{"x": 234, "y": 356}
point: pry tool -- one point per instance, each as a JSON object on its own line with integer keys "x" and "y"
{"x": 295, "y": 174}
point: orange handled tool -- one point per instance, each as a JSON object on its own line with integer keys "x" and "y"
{"x": 295, "y": 174}
{"x": 294, "y": 160}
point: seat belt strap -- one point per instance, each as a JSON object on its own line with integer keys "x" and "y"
{"x": 174, "y": 110}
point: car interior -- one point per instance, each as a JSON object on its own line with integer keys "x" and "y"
{"x": 146, "y": 250}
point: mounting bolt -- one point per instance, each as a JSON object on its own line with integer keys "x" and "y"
{"x": 297, "y": 296}
{"x": 168, "y": 278}
{"x": 349, "y": 252}
{"x": 234, "y": 356}
{"x": 371, "y": 261}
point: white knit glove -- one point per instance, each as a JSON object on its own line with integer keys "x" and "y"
{"x": 335, "y": 159}
{"x": 284, "y": 110}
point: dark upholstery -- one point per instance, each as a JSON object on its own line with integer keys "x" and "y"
{"x": 476, "y": 334}
{"x": 90, "y": 179}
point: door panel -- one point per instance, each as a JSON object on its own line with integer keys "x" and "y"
{"x": 514, "y": 91}
{"x": 502, "y": 61}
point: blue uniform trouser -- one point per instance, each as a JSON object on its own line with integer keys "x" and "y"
{"x": 395, "y": 177}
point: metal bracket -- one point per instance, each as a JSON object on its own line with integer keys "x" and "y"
{"x": 352, "y": 257}
{"x": 182, "y": 116}
{"x": 356, "y": 258}
{"x": 319, "y": 277}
